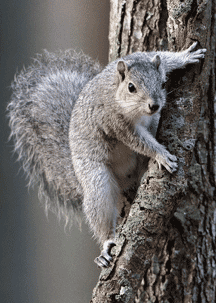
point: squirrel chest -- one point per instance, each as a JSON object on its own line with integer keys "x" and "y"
{"x": 123, "y": 161}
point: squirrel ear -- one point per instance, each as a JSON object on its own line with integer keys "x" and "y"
{"x": 122, "y": 69}
{"x": 157, "y": 61}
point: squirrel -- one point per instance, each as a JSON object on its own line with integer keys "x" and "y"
{"x": 81, "y": 130}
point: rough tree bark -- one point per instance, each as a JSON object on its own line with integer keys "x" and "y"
{"x": 166, "y": 245}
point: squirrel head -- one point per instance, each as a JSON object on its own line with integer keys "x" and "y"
{"x": 139, "y": 86}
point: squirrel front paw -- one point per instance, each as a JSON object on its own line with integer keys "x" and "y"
{"x": 105, "y": 258}
{"x": 167, "y": 160}
{"x": 193, "y": 57}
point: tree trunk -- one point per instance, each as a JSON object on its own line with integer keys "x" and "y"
{"x": 166, "y": 245}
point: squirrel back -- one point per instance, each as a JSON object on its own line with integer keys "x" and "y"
{"x": 39, "y": 112}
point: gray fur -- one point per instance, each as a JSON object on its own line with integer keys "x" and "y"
{"x": 113, "y": 116}
{"x": 39, "y": 112}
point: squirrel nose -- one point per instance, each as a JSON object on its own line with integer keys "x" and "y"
{"x": 153, "y": 108}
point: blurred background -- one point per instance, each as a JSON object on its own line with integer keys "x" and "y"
{"x": 39, "y": 262}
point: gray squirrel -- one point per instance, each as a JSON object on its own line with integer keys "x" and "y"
{"x": 80, "y": 130}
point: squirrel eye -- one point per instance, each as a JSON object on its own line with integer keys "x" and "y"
{"x": 131, "y": 88}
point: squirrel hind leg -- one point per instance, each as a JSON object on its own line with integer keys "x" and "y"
{"x": 105, "y": 257}
{"x": 101, "y": 197}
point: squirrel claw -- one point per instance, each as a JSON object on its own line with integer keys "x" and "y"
{"x": 101, "y": 261}
{"x": 168, "y": 161}
{"x": 105, "y": 258}
{"x": 192, "y": 56}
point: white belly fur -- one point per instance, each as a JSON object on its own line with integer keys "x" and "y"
{"x": 123, "y": 163}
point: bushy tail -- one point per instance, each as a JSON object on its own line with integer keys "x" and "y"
{"x": 39, "y": 115}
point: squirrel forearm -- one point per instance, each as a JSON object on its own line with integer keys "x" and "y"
{"x": 137, "y": 138}
{"x": 177, "y": 60}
